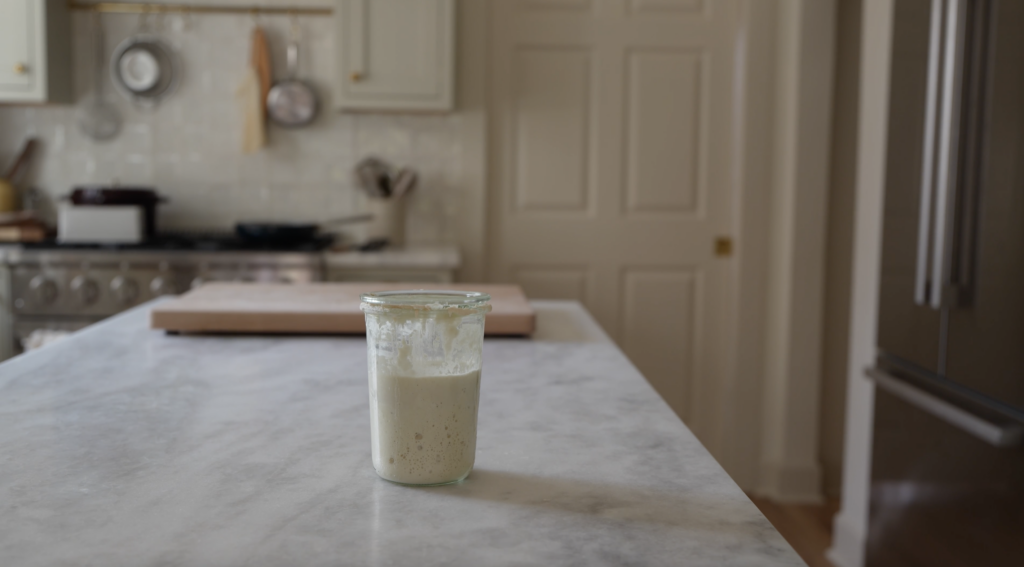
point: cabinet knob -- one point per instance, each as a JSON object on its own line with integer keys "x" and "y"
{"x": 20, "y": 68}
{"x": 356, "y": 77}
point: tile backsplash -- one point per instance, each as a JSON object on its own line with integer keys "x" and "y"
{"x": 189, "y": 147}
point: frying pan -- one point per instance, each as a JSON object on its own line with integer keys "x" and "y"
{"x": 287, "y": 234}
{"x": 292, "y": 102}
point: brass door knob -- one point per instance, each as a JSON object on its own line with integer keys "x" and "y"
{"x": 356, "y": 77}
{"x": 723, "y": 247}
{"x": 20, "y": 68}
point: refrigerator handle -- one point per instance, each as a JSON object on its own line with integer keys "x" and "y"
{"x": 994, "y": 434}
{"x": 941, "y": 292}
{"x": 924, "y": 214}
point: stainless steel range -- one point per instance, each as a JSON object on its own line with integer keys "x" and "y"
{"x": 56, "y": 288}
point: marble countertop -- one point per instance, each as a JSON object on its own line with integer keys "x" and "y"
{"x": 437, "y": 257}
{"x": 123, "y": 446}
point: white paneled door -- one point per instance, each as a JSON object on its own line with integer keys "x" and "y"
{"x": 611, "y": 163}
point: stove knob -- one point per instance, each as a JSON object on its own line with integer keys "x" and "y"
{"x": 44, "y": 290}
{"x": 86, "y": 289}
{"x": 161, "y": 286}
{"x": 125, "y": 290}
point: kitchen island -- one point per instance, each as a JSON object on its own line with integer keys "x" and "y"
{"x": 124, "y": 446}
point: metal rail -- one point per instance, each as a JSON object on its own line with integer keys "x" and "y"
{"x": 176, "y": 8}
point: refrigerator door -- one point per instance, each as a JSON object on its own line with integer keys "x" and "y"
{"x": 940, "y": 496}
{"x": 906, "y": 330}
{"x": 948, "y": 450}
{"x": 985, "y": 340}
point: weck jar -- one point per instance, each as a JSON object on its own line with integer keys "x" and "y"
{"x": 424, "y": 356}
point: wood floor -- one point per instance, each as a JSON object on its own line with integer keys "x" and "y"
{"x": 808, "y": 528}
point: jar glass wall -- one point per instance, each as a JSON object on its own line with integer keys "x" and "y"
{"x": 424, "y": 355}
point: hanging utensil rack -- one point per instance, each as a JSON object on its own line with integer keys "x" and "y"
{"x": 175, "y": 8}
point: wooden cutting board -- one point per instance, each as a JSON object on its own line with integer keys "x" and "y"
{"x": 332, "y": 308}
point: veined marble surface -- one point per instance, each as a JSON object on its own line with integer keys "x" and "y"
{"x": 123, "y": 446}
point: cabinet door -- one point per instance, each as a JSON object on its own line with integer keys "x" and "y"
{"x": 17, "y": 60}
{"x": 395, "y": 54}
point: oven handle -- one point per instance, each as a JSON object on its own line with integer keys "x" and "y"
{"x": 994, "y": 434}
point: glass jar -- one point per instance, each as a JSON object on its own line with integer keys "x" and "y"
{"x": 424, "y": 355}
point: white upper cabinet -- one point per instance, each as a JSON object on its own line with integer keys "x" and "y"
{"x": 395, "y": 55}
{"x": 35, "y": 39}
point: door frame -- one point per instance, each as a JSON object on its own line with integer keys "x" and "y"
{"x": 850, "y": 526}
{"x": 775, "y": 451}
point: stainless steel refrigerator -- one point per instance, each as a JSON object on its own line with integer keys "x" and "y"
{"x": 948, "y": 463}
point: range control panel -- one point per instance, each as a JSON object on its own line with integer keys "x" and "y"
{"x": 88, "y": 287}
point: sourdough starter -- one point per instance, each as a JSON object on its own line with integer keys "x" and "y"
{"x": 423, "y": 429}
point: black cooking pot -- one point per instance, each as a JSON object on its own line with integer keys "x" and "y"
{"x": 144, "y": 197}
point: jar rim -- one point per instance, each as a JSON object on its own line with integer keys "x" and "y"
{"x": 425, "y": 299}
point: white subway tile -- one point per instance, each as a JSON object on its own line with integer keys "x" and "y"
{"x": 189, "y": 147}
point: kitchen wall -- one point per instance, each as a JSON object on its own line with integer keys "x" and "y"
{"x": 189, "y": 147}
